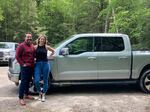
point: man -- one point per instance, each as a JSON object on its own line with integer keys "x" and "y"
{"x": 25, "y": 57}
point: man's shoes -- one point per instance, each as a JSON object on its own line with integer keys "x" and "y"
{"x": 22, "y": 102}
{"x": 29, "y": 97}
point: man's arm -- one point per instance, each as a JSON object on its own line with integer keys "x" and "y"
{"x": 19, "y": 52}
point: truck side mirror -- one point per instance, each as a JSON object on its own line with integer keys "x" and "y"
{"x": 64, "y": 51}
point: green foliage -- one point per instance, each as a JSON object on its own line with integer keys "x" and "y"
{"x": 19, "y": 16}
{"x": 1, "y": 16}
{"x": 59, "y": 19}
{"x": 66, "y": 17}
{"x": 130, "y": 17}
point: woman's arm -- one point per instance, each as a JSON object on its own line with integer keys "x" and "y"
{"x": 50, "y": 49}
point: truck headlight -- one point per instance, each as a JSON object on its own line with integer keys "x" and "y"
{"x": 6, "y": 54}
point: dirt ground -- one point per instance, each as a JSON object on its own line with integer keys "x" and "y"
{"x": 89, "y": 98}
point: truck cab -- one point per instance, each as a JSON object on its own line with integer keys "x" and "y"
{"x": 92, "y": 57}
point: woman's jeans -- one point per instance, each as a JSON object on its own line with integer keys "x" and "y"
{"x": 26, "y": 77}
{"x": 41, "y": 69}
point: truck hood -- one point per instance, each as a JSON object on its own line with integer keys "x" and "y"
{"x": 5, "y": 50}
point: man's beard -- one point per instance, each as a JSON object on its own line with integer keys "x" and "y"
{"x": 28, "y": 42}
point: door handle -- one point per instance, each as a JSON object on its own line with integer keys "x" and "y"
{"x": 91, "y": 58}
{"x": 123, "y": 57}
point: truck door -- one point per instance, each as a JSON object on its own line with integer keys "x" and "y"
{"x": 81, "y": 63}
{"x": 114, "y": 59}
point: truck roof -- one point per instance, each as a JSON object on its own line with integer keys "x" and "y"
{"x": 101, "y": 34}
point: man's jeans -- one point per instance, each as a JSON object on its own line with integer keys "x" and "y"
{"x": 26, "y": 77}
{"x": 41, "y": 69}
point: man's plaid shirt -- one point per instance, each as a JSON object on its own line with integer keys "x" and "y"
{"x": 25, "y": 54}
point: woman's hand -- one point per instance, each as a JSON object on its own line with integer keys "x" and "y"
{"x": 51, "y": 57}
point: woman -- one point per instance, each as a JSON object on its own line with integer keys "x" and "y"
{"x": 42, "y": 66}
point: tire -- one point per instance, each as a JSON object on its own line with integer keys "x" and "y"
{"x": 144, "y": 82}
{"x": 49, "y": 83}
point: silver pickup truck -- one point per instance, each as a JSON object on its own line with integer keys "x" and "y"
{"x": 7, "y": 50}
{"x": 95, "y": 58}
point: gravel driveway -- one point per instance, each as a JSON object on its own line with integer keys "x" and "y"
{"x": 89, "y": 98}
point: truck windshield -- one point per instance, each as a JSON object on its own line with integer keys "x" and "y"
{"x": 63, "y": 41}
{"x": 6, "y": 46}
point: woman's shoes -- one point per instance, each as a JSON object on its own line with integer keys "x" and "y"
{"x": 41, "y": 97}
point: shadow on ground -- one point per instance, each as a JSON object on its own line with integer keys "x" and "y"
{"x": 3, "y": 65}
{"x": 92, "y": 89}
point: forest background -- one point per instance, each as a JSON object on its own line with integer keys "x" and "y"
{"x": 59, "y": 19}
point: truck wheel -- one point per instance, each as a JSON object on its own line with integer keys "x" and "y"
{"x": 145, "y": 82}
{"x": 49, "y": 83}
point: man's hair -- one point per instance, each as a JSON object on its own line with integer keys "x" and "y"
{"x": 27, "y": 34}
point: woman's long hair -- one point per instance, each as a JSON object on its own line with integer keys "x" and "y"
{"x": 38, "y": 40}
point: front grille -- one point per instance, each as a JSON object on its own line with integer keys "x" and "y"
{"x": 1, "y": 54}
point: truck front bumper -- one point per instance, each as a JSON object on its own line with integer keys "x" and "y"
{"x": 14, "y": 77}
{"x": 4, "y": 60}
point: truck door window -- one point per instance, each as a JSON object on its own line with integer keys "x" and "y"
{"x": 112, "y": 44}
{"x": 97, "y": 44}
{"x": 80, "y": 45}
{"x": 109, "y": 44}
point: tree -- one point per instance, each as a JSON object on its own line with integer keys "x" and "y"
{"x": 19, "y": 16}
{"x": 127, "y": 17}
{"x": 59, "y": 19}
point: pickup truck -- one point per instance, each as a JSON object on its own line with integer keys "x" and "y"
{"x": 7, "y": 50}
{"x": 95, "y": 58}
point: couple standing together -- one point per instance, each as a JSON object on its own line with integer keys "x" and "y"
{"x": 26, "y": 53}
